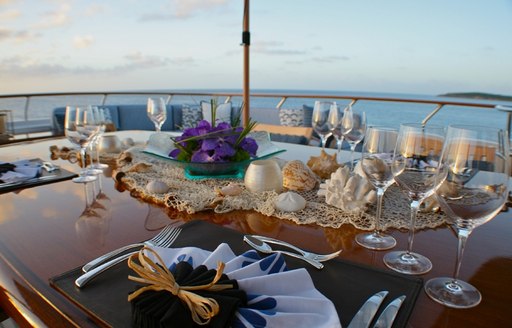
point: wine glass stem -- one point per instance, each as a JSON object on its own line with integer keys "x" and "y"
{"x": 462, "y": 235}
{"x": 380, "y": 197}
{"x": 415, "y": 206}
{"x": 98, "y": 150}
{"x": 352, "y": 149}
{"x": 83, "y": 155}
{"x": 323, "y": 141}
{"x": 339, "y": 143}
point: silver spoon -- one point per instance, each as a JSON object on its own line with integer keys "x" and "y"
{"x": 265, "y": 248}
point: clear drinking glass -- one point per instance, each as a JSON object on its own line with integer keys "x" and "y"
{"x": 415, "y": 162}
{"x": 340, "y": 123}
{"x": 157, "y": 112}
{"x": 80, "y": 130}
{"x": 474, "y": 173}
{"x": 356, "y": 134}
{"x": 377, "y": 158}
{"x": 102, "y": 118}
{"x": 320, "y": 120}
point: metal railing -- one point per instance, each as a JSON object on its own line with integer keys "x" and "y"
{"x": 439, "y": 103}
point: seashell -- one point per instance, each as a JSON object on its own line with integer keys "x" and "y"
{"x": 324, "y": 164}
{"x": 290, "y": 202}
{"x": 128, "y": 142}
{"x": 297, "y": 176}
{"x": 157, "y": 187}
{"x": 348, "y": 192}
{"x": 231, "y": 189}
{"x": 263, "y": 175}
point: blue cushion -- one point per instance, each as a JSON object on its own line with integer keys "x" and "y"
{"x": 296, "y": 116}
{"x": 265, "y": 115}
{"x": 134, "y": 117}
{"x": 277, "y": 137}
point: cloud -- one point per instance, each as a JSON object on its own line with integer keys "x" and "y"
{"x": 330, "y": 59}
{"x": 81, "y": 42}
{"x": 184, "y": 9}
{"x": 59, "y": 17}
{"x": 27, "y": 66}
{"x": 16, "y": 36}
{"x": 94, "y": 9}
{"x": 274, "y": 48}
{"x": 5, "y": 2}
{"x": 9, "y": 14}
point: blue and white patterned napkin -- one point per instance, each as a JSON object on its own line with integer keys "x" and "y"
{"x": 24, "y": 170}
{"x": 277, "y": 297}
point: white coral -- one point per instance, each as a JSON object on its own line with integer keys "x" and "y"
{"x": 348, "y": 192}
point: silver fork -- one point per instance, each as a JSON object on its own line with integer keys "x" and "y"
{"x": 306, "y": 254}
{"x": 163, "y": 239}
{"x": 93, "y": 273}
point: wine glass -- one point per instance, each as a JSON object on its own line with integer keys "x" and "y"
{"x": 80, "y": 129}
{"x": 102, "y": 118}
{"x": 474, "y": 172}
{"x": 340, "y": 123}
{"x": 377, "y": 158}
{"x": 356, "y": 134}
{"x": 157, "y": 112}
{"x": 320, "y": 120}
{"x": 414, "y": 166}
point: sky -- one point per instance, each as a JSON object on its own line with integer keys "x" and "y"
{"x": 394, "y": 46}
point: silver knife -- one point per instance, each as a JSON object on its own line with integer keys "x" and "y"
{"x": 387, "y": 316}
{"x": 365, "y": 315}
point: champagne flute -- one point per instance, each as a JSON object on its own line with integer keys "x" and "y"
{"x": 157, "y": 112}
{"x": 356, "y": 134}
{"x": 320, "y": 120}
{"x": 377, "y": 158}
{"x": 80, "y": 129}
{"x": 340, "y": 123}
{"x": 474, "y": 172}
{"x": 415, "y": 162}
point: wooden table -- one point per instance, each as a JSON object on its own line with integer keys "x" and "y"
{"x": 43, "y": 233}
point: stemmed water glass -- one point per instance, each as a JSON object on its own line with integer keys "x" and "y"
{"x": 320, "y": 120}
{"x": 80, "y": 129}
{"x": 414, "y": 167}
{"x": 377, "y": 158}
{"x": 474, "y": 172}
{"x": 340, "y": 123}
{"x": 157, "y": 112}
{"x": 102, "y": 118}
{"x": 356, "y": 134}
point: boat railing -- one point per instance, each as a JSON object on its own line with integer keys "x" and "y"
{"x": 28, "y": 124}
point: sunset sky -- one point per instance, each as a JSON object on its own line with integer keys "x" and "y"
{"x": 398, "y": 46}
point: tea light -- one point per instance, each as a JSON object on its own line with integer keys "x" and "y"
{"x": 263, "y": 175}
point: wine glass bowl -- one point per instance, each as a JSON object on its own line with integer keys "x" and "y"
{"x": 376, "y": 161}
{"x": 356, "y": 133}
{"x": 320, "y": 120}
{"x": 157, "y": 112}
{"x": 80, "y": 129}
{"x": 474, "y": 175}
{"x": 340, "y": 123}
{"x": 414, "y": 167}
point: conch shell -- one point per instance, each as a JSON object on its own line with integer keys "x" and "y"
{"x": 348, "y": 192}
{"x": 297, "y": 176}
{"x": 323, "y": 165}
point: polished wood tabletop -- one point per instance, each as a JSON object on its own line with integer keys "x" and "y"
{"x": 45, "y": 231}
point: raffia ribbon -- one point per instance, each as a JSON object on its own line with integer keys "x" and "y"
{"x": 159, "y": 278}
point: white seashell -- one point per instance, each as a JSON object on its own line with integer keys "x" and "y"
{"x": 231, "y": 189}
{"x": 128, "y": 142}
{"x": 290, "y": 202}
{"x": 297, "y": 176}
{"x": 157, "y": 187}
{"x": 348, "y": 192}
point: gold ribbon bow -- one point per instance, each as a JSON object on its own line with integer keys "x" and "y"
{"x": 159, "y": 278}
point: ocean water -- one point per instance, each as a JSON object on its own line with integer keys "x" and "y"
{"x": 377, "y": 112}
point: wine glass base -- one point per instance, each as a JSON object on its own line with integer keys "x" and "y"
{"x": 455, "y": 294}
{"x": 407, "y": 263}
{"x": 93, "y": 171}
{"x": 375, "y": 241}
{"x": 99, "y": 166}
{"x": 84, "y": 179}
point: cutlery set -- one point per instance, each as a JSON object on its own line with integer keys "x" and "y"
{"x": 166, "y": 237}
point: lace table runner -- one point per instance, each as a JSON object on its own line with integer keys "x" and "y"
{"x": 135, "y": 169}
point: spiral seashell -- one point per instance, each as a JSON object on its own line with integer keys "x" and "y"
{"x": 323, "y": 165}
{"x": 297, "y": 176}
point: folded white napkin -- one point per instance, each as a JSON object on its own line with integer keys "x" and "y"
{"x": 24, "y": 170}
{"x": 276, "y": 297}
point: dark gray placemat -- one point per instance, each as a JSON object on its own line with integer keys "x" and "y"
{"x": 346, "y": 284}
{"x": 43, "y": 178}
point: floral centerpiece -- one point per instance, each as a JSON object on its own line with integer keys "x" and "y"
{"x": 215, "y": 143}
